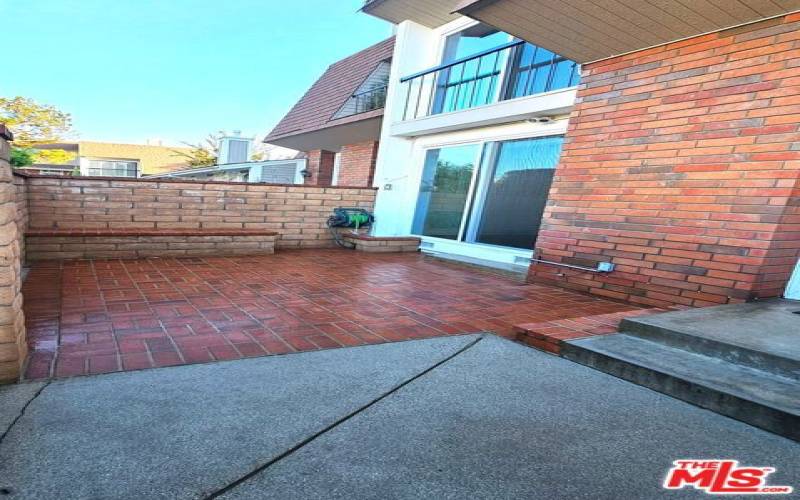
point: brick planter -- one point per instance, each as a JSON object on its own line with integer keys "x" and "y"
{"x": 364, "y": 243}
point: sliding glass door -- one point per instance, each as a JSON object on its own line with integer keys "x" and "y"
{"x": 501, "y": 203}
{"x": 444, "y": 190}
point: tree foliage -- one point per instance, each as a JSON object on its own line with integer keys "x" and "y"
{"x": 22, "y": 157}
{"x": 201, "y": 154}
{"x": 54, "y": 156}
{"x": 34, "y": 123}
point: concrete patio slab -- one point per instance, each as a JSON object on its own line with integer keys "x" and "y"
{"x": 13, "y": 401}
{"x": 184, "y": 432}
{"x": 459, "y": 417}
{"x": 503, "y": 421}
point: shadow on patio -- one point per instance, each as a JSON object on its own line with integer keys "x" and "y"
{"x": 97, "y": 316}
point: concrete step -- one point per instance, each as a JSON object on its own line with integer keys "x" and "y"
{"x": 763, "y": 335}
{"x": 757, "y": 397}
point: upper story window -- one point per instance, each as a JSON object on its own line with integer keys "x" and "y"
{"x": 471, "y": 41}
{"x": 481, "y": 65}
{"x": 113, "y": 168}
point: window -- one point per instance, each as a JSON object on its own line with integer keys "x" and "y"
{"x": 481, "y": 65}
{"x": 472, "y": 40}
{"x": 535, "y": 70}
{"x": 474, "y": 81}
{"x": 500, "y": 203}
{"x": 113, "y": 168}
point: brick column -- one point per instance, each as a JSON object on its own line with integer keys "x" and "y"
{"x": 357, "y": 164}
{"x": 320, "y": 165}
{"x": 13, "y": 348}
{"x": 681, "y": 166}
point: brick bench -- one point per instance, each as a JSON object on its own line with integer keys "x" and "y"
{"x": 55, "y": 244}
{"x": 365, "y": 243}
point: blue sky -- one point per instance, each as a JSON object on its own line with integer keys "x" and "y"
{"x": 131, "y": 70}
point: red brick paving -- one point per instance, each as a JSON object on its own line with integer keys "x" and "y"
{"x": 98, "y": 316}
{"x": 550, "y": 335}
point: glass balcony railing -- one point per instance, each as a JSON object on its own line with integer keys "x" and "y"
{"x": 362, "y": 102}
{"x": 515, "y": 69}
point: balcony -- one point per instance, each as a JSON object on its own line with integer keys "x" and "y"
{"x": 363, "y": 102}
{"x": 514, "y": 70}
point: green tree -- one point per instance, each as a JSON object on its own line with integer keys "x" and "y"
{"x": 201, "y": 154}
{"x": 55, "y": 156}
{"x": 33, "y": 123}
{"x": 22, "y": 157}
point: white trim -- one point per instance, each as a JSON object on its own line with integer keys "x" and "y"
{"x": 793, "y": 287}
{"x": 482, "y": 251}
{"x": 554, "y": 103}
{"x": 337, "y": 161}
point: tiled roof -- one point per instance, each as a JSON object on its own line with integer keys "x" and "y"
{"x": 318, "y": 106}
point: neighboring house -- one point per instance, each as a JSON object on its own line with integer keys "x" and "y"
{"x": 654, "y": 141}
{"x": 337, "y": 123}
{"x": 113, "y": 159}
{"x": 234, "y": 165}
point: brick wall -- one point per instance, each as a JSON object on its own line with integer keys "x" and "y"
{"x": 13, "y": 348}
{"x": 682, "y": 166}
{"x": 320, "y": 166}
{"x": 297, "y": 213}
{"x": 357, "y": 164}
{"x": 21, "y": 199}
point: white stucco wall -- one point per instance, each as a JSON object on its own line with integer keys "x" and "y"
{"x": 401, "y": 154}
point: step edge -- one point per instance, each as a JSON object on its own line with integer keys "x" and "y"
{"x": 683, "y": 377}
{"x": 657, "y": 334}
{"x": 749, "y": 407}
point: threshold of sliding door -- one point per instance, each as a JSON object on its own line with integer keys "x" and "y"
{"x": 517, "y": 271}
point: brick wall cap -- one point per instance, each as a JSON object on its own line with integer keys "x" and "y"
{"x": 86, "y": 233}
{"x": 177, "y": 181}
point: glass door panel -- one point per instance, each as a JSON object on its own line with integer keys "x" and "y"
{"x": 447, "y": 179}
{"x": 513, "y": 191}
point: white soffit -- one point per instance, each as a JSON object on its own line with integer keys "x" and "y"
{"x": 430, "y": 13}
{"x": 589, "y": 30}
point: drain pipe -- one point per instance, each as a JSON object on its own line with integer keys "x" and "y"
{"x": 602, "y": 267}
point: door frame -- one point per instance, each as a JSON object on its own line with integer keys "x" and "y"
{"x": 474, "y": 203}
{"x": 793, "y": 287}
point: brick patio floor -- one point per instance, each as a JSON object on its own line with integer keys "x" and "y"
{"x": 102, "y": 316}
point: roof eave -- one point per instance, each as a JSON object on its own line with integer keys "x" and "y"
{"x": 593, "y": 34}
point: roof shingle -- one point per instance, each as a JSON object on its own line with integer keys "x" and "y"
{"x": 321, "y": 102}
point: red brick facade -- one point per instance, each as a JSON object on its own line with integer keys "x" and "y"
{"x": 320, "y": 166}
{"x": 357, "y": 164}
{"x": 682, "y": 166}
